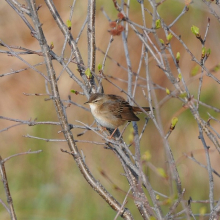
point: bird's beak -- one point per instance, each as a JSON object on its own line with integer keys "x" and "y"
{"x": 86, "y": 102}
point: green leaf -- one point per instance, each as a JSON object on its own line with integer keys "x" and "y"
{"x": 161, "y": 41}
{"x": 169, "y": 37}
{"x": 88, "y": 73}
{"x": 195, "y": 30}
{"x": 73, "y": 91}
{"x": 180, "y": 76}
{"x": 99, "y": 66}
{"x": 68, "y": 23}
{"x": 158, "y": 24}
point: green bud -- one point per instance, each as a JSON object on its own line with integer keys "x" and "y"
{"x": 178, "y": 56}
{"x": 195, "y": 71}
{"x": 173, "y": 122}
{"x": 99, "y": 67}
{"x": 208, "y": 52}
{"x": 162, "y": 172}
{"x": 68, "y": 23}
{"x": 179, "y": 76}
{"x": 167, "y": 91}
{"x": 146, "y": 156}
{"x": 161, "y": 41}
{"x": 183, "y": 95}
{"x": 88, "y": 73}
{"x": 51, "y": 45}
{"x": 203, "y": 51}
{"x": 169, "y": 37}
{"x": 202, "y": 210}
{"x": 158, "y": 24}
{"x": 216, "y": 68}
{"x": 195, "y": 30}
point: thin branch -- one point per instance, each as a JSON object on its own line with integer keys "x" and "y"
{"x": 5, "y": 206}
{"x": 91, "y": 34}
{"x": 123, "y": 204}
{"x": 20, "y": 154}
{"x": 174, "y": 206}
{"x": 201, "y": 165}
{"x": 209, "y": 168}
{"x": 7, "y": 190}
{"x": 185, "y": 9}
{"x": 13, "y": 53}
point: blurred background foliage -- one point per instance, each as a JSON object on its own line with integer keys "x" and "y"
{"x": 48, "y": 185}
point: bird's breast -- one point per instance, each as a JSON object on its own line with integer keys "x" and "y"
{"x": 103, "y": 118}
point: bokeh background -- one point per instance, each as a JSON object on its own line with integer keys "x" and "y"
{"x": 48, "y": 185}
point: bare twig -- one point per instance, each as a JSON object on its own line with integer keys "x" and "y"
{"x": 7, "y": 190}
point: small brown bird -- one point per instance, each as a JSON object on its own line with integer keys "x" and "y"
{"x": 112, "y": 111}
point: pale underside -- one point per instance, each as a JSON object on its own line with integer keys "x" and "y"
{"x": 112, "y": 116}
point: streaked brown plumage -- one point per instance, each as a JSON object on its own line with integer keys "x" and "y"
{"x": 112, "y": 111}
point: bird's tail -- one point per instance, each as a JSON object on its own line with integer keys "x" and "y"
{"x": 138, "y": 110}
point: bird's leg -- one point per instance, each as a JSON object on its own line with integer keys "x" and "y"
{"x": 102, "y": 129}
{"x": 110, "y": 137}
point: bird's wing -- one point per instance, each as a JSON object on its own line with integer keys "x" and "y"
{"x": 119, "y": 108}
{"x": 126, "y": 112}
{"x": 110, "y": 107}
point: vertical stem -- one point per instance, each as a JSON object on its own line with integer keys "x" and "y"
{"x": 7, "y": 191}
{"x": 209, "y": 168}
{"x": 91, "y": 36}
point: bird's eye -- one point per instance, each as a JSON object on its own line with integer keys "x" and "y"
{"x": 95, "y": 101}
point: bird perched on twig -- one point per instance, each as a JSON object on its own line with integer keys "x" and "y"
{"x": 112, "y": 111}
